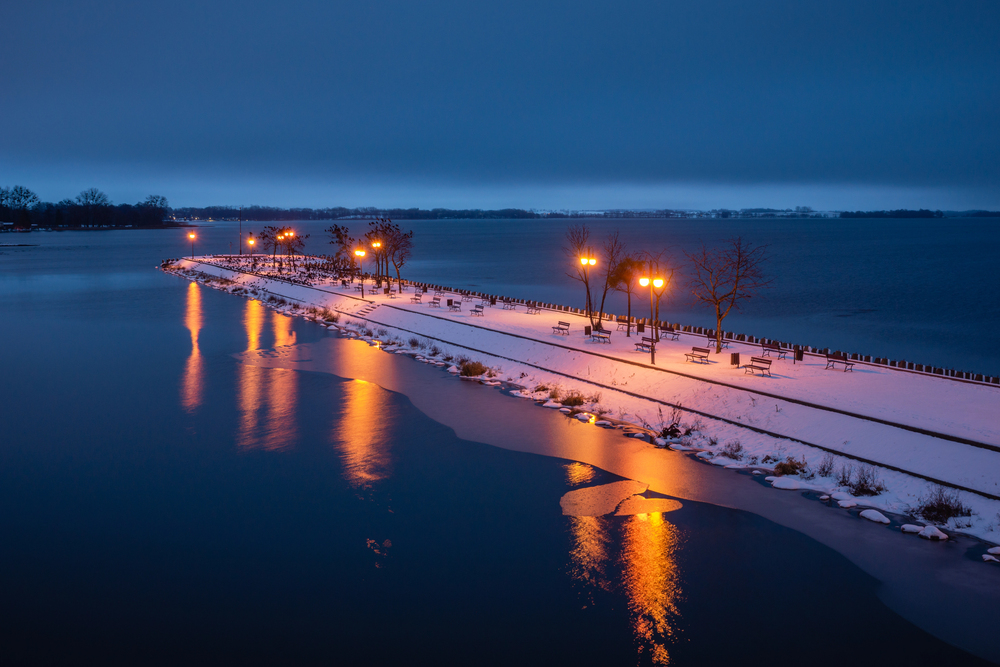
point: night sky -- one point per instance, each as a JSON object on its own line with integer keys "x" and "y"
{"x": 489, "y": 104}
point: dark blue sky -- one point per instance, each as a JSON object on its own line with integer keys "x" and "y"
{"x": 536, "y": 104}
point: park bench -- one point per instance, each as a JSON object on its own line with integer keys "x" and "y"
{"x": 416, "y": 297}
{"x": 833, "y": 359}
{"x": 466, "y": 296}
{"x": 477, "y": 309}
{"x": 455, "y": 306}
{"x": 624, "y": 323}
{"x": 600, "y": 336}
{"x": 647, "y": 344}
{"x": 710, "y": 340}
{"x": 767, "y": 348}
{"x": 435, "y": 302}
{"x": 508, "y": 304}
{"x": 562, "y": 328}
{"x": 534, "y": 308}
{"x": 698, "y": 354}
{"x": 758, "y": 364}
{"x": 673, "y": 333}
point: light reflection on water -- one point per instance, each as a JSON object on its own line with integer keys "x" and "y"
{"x": 361, "y": 434}
{"x": 651, "y": 579}
{"x": 193, "y": 380}
{"x": 275, "y": 393}
{"x": 648, "y": 570}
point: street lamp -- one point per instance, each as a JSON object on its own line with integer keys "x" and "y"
{"x": 658, "y": 284}
{"x": 361, "y": 261}
{"x": 250, "y": 242}
{"x": 378, "y": 265}
{"x": 191, "y": 236}
{"x": 588, "y": 262}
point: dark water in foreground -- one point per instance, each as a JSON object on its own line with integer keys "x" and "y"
{"x": 163, "y": 503}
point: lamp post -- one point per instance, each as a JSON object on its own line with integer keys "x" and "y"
{"x": 361, "y": 262}
{"x": 191, "y": 236}
{"x": 376, "y": 245}
{"x": 250, "y": 242}
{"x": 651, "y": 283}
{"x": 588, "y": 262}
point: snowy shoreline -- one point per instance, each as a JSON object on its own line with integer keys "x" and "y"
{"x": 734, "y": 420}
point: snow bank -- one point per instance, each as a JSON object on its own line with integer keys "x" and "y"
{"x": 874, "y": 515}
{"x": 932, "y": 533}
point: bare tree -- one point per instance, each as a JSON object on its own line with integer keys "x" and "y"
{"x": 92, "y": 197}
{"x": 340, "y": 236}
{"x": 613, "y": 251}
{"x": 657, "y": 267}
{"x": 399, "y": 245}
{"x": 727, "y": 276}
{"x": 15, "y": 203}
{"x": 625, "y": 279}
{"x": 577, "y": 250}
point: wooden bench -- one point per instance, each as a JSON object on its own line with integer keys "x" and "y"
{"x": 416, "y": 298}
{"x": 477, "y": 310}
{"x": 455, "y": 306}
{"x": 698, "y": 354}
{"x": 624, "y": 322}
{"x": 435, "y": 302}
{"x": 833, "y": 359}
{"x": 533, "y": 308}
{"x": 466, "y": 297}
{"x": 562, "y": 328}
{"x": 767, "y": 348}
{"x": 508, "y": 304}
{"x": 758, "y": 364}
{"x": 711, "y": 341}
{"x": 600, "y": 336}
{"x": 647, "y": 344}
{"x": 673, "y": 333}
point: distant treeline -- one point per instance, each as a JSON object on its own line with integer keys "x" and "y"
{"x": 901, "y": 213}
{"x": 21, "y": 208}
{"x": 269, "y": 213}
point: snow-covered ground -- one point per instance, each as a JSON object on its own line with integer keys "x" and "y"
{"x": 832, "y": 421}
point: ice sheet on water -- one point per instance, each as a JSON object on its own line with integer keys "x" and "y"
{"x": 643, "y": 505}
{"x": 874, "y": 515}
{"x": 599, "y": 500}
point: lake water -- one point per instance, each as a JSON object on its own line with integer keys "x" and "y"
{"x": 165, "y": 503}
{"x": 919, "y": 290}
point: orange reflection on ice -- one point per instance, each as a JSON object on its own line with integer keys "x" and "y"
{"x": 651, "y": 581}
{"x": 283, "y": 333}
{"x": 193, "y": 380}
{"x": 361, "y": 433}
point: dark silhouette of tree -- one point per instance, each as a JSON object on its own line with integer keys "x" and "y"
{"x": 625, "y": 279}
{"x": 16, "y": 203}
{"x": 727, "y": 276}
{"x": 612, "y": 252}
{"x": 578, "y": 247}
{"x": 340, "y": 236}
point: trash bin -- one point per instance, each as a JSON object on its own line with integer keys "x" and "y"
{"x": 640, "y": 328}
{"x": 586, "y": 330}
{"x": 450, "y": 302}
{"x": 797, "y": 356}
{"x": 425, "y": 289}
{"x": 734, "y": 358}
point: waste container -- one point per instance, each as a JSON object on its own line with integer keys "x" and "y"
{"x": 640, "y": 328}
{"x": 586, "y": 330}
{"x": 449, "y": 303}
{"x": 797, "y": 356}
{"x": 734, "y": 358}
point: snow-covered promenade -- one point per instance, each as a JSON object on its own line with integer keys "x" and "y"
{"x": 936, "y": 429}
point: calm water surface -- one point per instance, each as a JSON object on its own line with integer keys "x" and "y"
{"x": 164, "y": 503}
